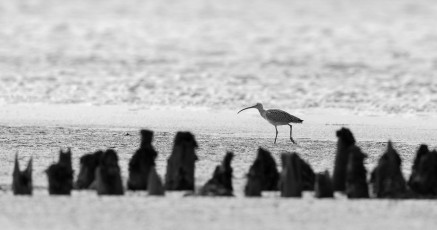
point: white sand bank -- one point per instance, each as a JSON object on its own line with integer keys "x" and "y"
{"x": 140, "y": 212}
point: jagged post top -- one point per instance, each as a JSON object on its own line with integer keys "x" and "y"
{"x": 346, "y": 135}
{"x": 65, "y": 157}
{"x": 262, "y": 151}
{"x": 17, "y": 170}
{"x": 91, "y": 158}
{"x": 16, "y": 164}
{"x": 228, "y": 158}
{"x": 392, "y": 153}
{"x": 146, "y": 138}
{"x": 29, "y": 165}
{"x": 423, "y": 150}
{"x": 265, "y": 157}
{"x": 185, "y": 138}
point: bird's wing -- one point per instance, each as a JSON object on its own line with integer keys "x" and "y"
{"x": 277, "y": 115}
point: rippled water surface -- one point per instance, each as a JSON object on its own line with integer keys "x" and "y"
{"x": 375, "y": 55}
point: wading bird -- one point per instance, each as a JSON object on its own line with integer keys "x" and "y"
{"x": 276, "y": 117}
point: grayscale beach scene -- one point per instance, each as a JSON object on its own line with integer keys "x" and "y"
{"x": 79, "y": 76}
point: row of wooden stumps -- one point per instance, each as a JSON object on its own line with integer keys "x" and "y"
{"x": 100, "y": 171}
{"x": 349, "y": 175}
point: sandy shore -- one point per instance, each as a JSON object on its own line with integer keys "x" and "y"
{"x": 90, "y": 212}
{"x": 40, "y": 130}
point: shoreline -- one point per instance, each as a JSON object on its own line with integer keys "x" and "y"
{"x": 319, "y": 124}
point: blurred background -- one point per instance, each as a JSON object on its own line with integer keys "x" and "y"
{"x": 373, "y": 56}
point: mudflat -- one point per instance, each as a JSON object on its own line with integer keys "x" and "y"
{"x": 216, "y": 132}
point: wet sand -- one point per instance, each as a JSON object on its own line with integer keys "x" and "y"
{"x": 38, "y": 131}
{"x": 130, "y": 212}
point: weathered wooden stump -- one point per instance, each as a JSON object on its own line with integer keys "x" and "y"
{"x": 263, "y": 175}
{"x": 323, "y": 185}
{"x": 60, "y": 175}
{"x": 345, "y": 141}
{"x": 291, "y": 176}
{"x": 356, "y": 179}
{"x": 253, "y": 185}
{"x": 221, "y": 182}
{"x": 308, "y": 176}
{"x": 423, "y": 179}
{"x": 22, "y": 180}
{"x": 386, "y": 179}
{"x": 88, "y": 165}
{"x": 181, "y": 163}
{"x": 155, "y": 186}
{"x": 265, "y": 168}
{"x": 108, "y": 177}
{"x": 141, "y": 163}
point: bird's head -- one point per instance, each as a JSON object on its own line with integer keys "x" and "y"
{"x": 258, "y": 106}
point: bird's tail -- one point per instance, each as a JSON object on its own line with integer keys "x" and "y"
{"x": 299, "y": 121}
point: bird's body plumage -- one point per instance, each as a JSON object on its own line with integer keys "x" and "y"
{"x": 276, "y": 117}
{"x": 279, "y": 117}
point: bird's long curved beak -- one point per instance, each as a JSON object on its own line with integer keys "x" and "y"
{"x": 246, "y": 108}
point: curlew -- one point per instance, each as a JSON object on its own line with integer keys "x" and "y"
{"x": 276, "y": 117}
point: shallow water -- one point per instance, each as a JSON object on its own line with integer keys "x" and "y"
{"x": 366, "y": 56}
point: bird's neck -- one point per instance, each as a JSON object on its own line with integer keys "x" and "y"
{"x": 262, "y": 112}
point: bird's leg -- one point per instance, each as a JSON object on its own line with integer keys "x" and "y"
{"x": 291, "y": 130}
{"x": 276, "y": 133}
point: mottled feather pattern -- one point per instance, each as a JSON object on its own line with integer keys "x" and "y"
{"x": 277, "y": 115}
